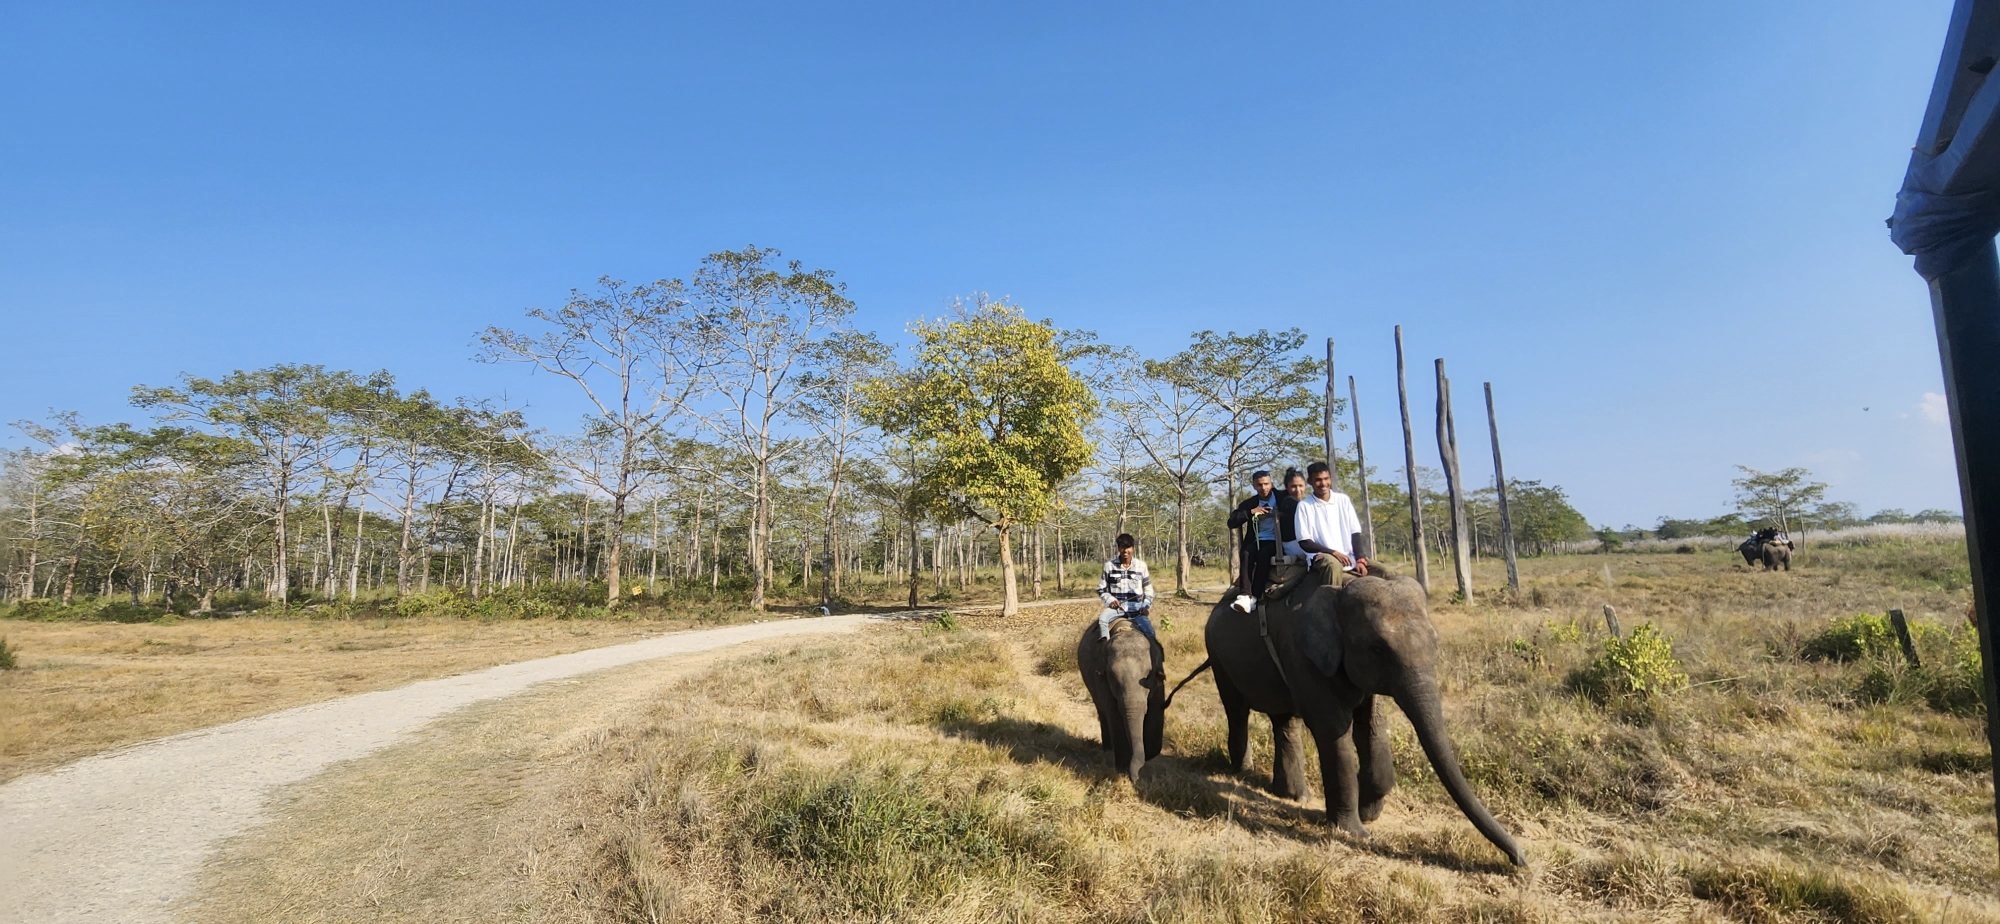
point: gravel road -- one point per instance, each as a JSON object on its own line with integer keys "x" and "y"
{"x": 121, "y": 836}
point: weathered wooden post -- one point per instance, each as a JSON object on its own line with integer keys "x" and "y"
{"x": 1500, "y": 488}
{"x": 1611, "y": 622}
{"x": 1903, "y": 636}
{"x": 1461, "y": 533}
{"x": 1946, "y": 216}
{"x": 1361, "y": 469}
{"x": 1327, "y": 417}
{"x": 1417, "y": 550}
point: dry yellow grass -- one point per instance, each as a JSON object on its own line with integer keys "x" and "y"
{"x": 922, "y": 775}
{"x": 85, "y": 687}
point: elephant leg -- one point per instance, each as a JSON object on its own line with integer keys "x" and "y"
{"x": 1288, "y": 758}
{"x": 1156, "y": 722}
{"x": 1238, "y": 712}
{"x": 1100, "y": 696}
{"x": 1339, "y": 769}
{"x": 1378, "y": 761}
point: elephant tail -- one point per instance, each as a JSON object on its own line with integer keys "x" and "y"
{"x": 1196, "y": 673}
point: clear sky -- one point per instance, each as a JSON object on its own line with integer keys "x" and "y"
{"x": 1655, "y": 228}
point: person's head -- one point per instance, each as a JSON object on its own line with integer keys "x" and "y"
{"x": 1321, "y": 479}
{"x": 1125, "y": 544}
{"x": 1261, "y": 482}
{"x": 1295, "y": 484}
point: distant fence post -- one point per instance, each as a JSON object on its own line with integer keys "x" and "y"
{"x": 1417, "y": 549}
{"x": 1903, "y": 636}
{"x": 1327, "y": 418}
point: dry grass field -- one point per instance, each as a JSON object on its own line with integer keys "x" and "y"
{"x": 927, "y": 773}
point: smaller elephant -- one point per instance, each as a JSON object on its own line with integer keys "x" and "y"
{"x": 1126, "y": 676}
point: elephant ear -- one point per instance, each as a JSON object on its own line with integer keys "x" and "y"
{"x": 1319, "y": 631}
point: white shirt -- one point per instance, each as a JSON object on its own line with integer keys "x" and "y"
{"x": 1331, "y": 523}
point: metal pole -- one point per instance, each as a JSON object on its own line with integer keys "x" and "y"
{"x": 1327, "y": 417}
{"x": 1965, "y": 303}
{"x": 1500, "y": 489}
{"x": 1417, "y": 549}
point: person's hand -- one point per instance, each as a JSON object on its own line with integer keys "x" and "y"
{"x": 1345, "y": 562}
{"x": 1361, "y": 567}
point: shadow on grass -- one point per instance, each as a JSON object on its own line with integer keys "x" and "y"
{"x": 1192, "y": 787}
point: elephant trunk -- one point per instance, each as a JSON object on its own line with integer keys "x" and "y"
{"x": 1420, "y": 703}
{"x": 1135, "y": 728}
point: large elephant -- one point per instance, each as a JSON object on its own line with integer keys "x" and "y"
{"x": 1775, "y": 555}
{"x": 1336, "y": 650}
{"x": 1126, "y": 677}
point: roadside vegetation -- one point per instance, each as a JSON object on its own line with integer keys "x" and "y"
{"x": 936, "y": 774}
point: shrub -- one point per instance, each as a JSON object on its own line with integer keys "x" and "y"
{"x": 1642, "y": 664}
{"x": 7, "y": 659}
{"x": 445, "y": 603}
{"x": 1851, "y": 638}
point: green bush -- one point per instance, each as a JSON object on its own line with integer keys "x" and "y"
{"x": 1851, "y": 638}
{"x": 446, "y": 603}
{"x": 1642, "y": 665}
{"x": 7, "y": 659}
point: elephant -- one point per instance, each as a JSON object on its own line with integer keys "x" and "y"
{"x": 1331, "y": 651}
{"x": 1126, "y": 677}
{"x": 1775, "y": 555}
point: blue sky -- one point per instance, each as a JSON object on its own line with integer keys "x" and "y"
{"x": 1656, "y": 228}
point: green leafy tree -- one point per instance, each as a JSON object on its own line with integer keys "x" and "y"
{"x": 1778, "y": 498}
{"x": 992, "y": 400}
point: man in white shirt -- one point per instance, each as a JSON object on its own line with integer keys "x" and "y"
{"x": 1325, "y": 525}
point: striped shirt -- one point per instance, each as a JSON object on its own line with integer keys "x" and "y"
{"x": 1126, "y": 587}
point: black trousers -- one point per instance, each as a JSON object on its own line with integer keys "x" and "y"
{"x": 1257, "y": 564}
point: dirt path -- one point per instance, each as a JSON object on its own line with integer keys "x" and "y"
{"x": 120, "y": 836}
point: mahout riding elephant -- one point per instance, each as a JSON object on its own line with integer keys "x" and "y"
{"x": 1126, "y": 677}
{"x": 1330, "y": 653}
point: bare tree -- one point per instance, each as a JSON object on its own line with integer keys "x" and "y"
{"x": 763, "y": 323}
{"x": 636, "y": 356}
{"x": 839, "y": 368}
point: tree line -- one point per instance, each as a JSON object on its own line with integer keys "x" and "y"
{"x": 742, "y": 438}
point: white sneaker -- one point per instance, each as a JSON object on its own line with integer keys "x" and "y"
{"x": 1243, "y": 603}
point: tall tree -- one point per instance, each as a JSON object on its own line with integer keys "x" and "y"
{"x": 993, "y": 398}
{"x": 764, "y": 323}
{"x": 839, "y": 369}
{"x": 283, "y": 413}
{"x": 637, "y": 354}
{"x": 1777, "y": 497}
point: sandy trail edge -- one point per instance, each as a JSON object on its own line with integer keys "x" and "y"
{"x": 121, "y": 836}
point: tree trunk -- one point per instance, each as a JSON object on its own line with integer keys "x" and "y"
{"x": 1038, "y": 562}
{"x": 1500, "y": 491}
{"x": 1361, "y": 472}
{"x": 1183, "y": 563}
{"x": 916, "y": 564}
{"x": 1418, "y": 548}
{"x": 1011, "y": 601}
{"x": 757, "y": 550}
{"x": 1461, "y": 533}
{"x": 354, "y": 571}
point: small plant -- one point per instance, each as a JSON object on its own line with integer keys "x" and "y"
{"x": 1640, "y": 665}
{"x": 1568, "y": 631}
{"x": 946, "y": 622}
{"x": 7, "y": 659}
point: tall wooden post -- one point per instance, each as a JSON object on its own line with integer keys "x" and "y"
{"x": 1417, "y": 549}
{"x": 1500, "y": 488}
{"x": 1361, "y": 472}
{"x": 1327, "y": 416}
{"x": 1461, "y": 533}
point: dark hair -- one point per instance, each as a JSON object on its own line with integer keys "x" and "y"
{"x": 1292, "y": 473}
{"x": 1125, "y": 541}
{"x": 1316, "y": 468}
{"x": 1260, "y": 473}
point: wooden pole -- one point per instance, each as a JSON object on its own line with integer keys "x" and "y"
{"x": 1461, "y": 534}
{"x": 1361, "y": 472}
{"x": 1417, "y": 549}
{"x": 1500, "y": 488}
{"x": 1327, "y": 417}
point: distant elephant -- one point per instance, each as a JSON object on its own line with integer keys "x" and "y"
{"x": 1751, "y": 550}
{"x": 1336, "y": 650}
{"x": 1126, "y": 677}
{"x": 1775, "y": 554}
